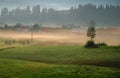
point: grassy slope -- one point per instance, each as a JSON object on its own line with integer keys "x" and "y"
{"x": 63, "y": 54}
{"x": 26, "y": 69}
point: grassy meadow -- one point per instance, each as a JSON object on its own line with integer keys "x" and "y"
{"x": 10, "y": 68}
{"x": 59, "y": 61}
{"x": 47, "y": 58}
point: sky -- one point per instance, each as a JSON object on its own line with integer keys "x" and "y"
{"x": 57, "y": 4}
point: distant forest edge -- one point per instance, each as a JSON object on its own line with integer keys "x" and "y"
{"x": 108, "y": 15}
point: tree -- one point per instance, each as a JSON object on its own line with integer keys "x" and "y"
{"x": 5, "y": 26}
{"x": 91, "y": 30}
{"x": 4, "y": 12}
{"x": 17, "y": 25}
{"x": 91, "y": 34}
{"x": 36, "y": 10}
{"x": 35, "y": 27}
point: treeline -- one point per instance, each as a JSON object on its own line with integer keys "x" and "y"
{"x": 103, "y": 15}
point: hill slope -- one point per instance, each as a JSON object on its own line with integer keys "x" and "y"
{"x": 26, "y": 69}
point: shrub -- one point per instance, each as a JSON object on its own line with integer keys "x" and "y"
{"x": 102, "y": 44}
{"x": 91, "y": 44}
{"x": 28, "y": 42}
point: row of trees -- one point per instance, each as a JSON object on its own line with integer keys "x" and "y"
{"x": 108, "y": 14}
{"x": 34, "y": 27}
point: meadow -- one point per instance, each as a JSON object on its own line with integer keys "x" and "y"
{"x": 59, "y": 61}
{"x": 48, "y": 58}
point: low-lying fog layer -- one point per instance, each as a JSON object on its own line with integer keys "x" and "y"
{"x": 109, "y": 36}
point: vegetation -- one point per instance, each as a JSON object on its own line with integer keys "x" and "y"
{"x": 101, "y": 13}
{"x": 25, "y": 53}
{"x": 66, "y": 54}
{"x": 91, "y": 44}
{"x": 91, "y": 30}
{"x": 21, "y": 69}
{"x": 5, "y": 26}
{"x": 91, "y": 34}
{"x": 26, "y": 69}
{"x": 74, "y": 61}
{"x": 36, "y": 27}
{"x": 102, "y": 44}
{"x": 17, "y": 25}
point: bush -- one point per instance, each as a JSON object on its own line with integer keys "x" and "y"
{"x": 102, "y": 44}
{"x": 91, "y": 44}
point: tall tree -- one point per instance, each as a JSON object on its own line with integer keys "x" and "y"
{"x": 91, "y": 30}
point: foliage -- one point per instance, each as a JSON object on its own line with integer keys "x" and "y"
{"x": 5, "y": 26}
{"x": 91, "y": 44}
{"x": 91, "y": 30}
{"x": 102, "y": 44}
{"x": 36, "y": 27}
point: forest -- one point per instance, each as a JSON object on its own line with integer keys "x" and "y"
{"x": 107, "y": 15}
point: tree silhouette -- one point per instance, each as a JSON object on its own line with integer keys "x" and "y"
{"x": 91, "y": 30}
{"x": 35, "y": 27}
{"x": 5, "y": 26}
{"x": 91, "y": 34}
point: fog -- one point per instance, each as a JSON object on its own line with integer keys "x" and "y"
{"x": 64, "y": 36}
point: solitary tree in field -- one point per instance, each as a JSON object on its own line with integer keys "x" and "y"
{"x": 91, "y": 30}
{"x": 36, "y": 27}
{"x": 5, "y": 26}
{"x": 91, "y": 34}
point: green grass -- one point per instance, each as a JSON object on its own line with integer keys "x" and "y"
{"x": 25, "y": 69}
{"x": 60, "y": 54}
{"x": 15, "y": 68}
{"x": 59, "y": 62}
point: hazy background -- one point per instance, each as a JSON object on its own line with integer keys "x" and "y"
{"x": 60, "y": 12}
{"x": 57, "y": 4}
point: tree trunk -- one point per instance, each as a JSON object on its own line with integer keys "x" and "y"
{"x": 31, "y": 36}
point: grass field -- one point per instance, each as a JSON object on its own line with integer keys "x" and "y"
{"x": 26, "y": 69}
{"x": 59, "y": 61}
{"x": 60, "y": 54}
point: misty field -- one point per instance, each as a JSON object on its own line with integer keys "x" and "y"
{"x": 111, "y": 36}
{"x": 59, "y": 54}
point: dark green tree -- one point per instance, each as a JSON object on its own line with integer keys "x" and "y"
{"x": 35, "y": 27}
{"x": 6, "y": 26}
{"x": 91, "y": 34}
{"x": 91, "y": 30}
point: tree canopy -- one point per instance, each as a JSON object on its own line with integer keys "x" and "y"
{"x": 91, "y": 30}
